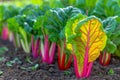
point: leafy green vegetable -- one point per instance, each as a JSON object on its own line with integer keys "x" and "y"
{"x": 7, "y": 12}
{"x": 110, "y": 25}
{"x": 85, "y": 39}
{"x": 116, "y": 35}
{"x": 86, "y": 6}
{"x": 106, "y": 8}
{"x": 24, "y": 25}
{"x": 54, "y": 22}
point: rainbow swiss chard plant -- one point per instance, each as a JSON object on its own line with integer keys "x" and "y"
{"x": 6, "y": 12}
{"x": 22, "y": 26}
{"x": 21, "y": 37}
{"x": 56, "y": 20}
{"x": 106, "y": 8}
{"x": 32, "y": 25}
{"x": 116, "y": 39}
{"x": 40, "y": 40}
{"x": 45, "y": 47}
{"x": 13, "y": 27}
{"x": 85, "y": 39}
{"x": 109, "y": 25}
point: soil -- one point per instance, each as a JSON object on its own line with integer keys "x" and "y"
{"x": 23, "y": 65}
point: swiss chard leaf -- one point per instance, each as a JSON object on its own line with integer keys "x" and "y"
{"x": 33, "y": 20}
{"x": 86, "y": 5}
{"x": 110, "y": 25}
{"x": 88, "y": 40}
{"x": 7, "y": 12}
{"x": 38, "y": 26}
{"x": 110, "y": 46}
{"x": 115, "y": 37}
{"x": 106, "y": 8}
{"x": 55, "y": 21}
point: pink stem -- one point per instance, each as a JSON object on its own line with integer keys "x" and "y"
{"x": 46, "y": 49}
{"x": 85, "y": 63}
{"x": 5, "y": 33}
{"x": 52, "y": 52}
{"x": 35, "y": 47}
{"x": 76, "y": 67}
{"x": 89, "y": 69}
{"x": 85, "y": 66}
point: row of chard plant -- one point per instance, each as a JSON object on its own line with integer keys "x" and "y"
{"x": 73, "y": 33}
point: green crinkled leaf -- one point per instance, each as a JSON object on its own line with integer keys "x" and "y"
{"x": 70, "y": 35}
{"x": 115, "y": 37}
{"x": 55, "y": 21}
{"x": 110, "y": 47}
{"x": 31, "y": 10}
{"x": 7, "y": 12}
{"x": 13, "y": 24}
{"x": 16, "y": 22}
{"x": 27, "y": 17}
{"x": 86, "y": 5}
{"x": 106, "y": 8}
{"x": 38, "y": 26}
{"x": 32, "y": 20}
{"x": 110, "y": 24}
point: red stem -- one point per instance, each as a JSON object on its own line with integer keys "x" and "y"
{"x": 69, "y": 62}
{"x": 104, "y": 58}
{"x": 61, "y": 59}
{"x": 63, "y": 65}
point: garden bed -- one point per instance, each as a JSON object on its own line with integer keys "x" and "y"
{"x": 24, "y": 67}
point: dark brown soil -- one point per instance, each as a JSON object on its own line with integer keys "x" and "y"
{"x": 21, "y": 69}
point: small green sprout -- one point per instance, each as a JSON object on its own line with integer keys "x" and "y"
{"x": 111, "y": 71}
